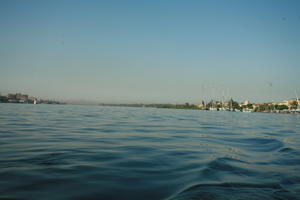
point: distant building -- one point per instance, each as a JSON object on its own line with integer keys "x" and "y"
{"x": 11, "y": 96}
{"x": 19, "y": 98}
{"x": 289, "y": 103}
{"x": 200, "y": 106}
{"x": 245, "y": 103}
{"x": 255, "y": 106}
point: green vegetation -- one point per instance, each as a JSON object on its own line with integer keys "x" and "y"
{"x": 269, "y": 107}
{"x": 234, "y": 105}
{"x": 281, "y": 107}
{"x": 250, "y": 106}
{"x": 263, "y": 107}
{"x": 176, "y": 106}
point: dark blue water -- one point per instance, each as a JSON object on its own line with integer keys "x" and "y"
{"x": 94, "y": 152}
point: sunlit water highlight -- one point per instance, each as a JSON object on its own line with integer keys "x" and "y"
{"x": 94, "y": 152}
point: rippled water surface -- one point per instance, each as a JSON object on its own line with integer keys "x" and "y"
{"x": 94, "y": 152}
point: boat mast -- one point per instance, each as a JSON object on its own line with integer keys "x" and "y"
{"x": 223, "y": 96}
{"x": 297, "y": 99}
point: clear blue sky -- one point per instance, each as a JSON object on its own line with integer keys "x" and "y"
{"x": 150, "y": 51}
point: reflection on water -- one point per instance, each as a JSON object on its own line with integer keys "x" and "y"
{"x": 94, "y": 152}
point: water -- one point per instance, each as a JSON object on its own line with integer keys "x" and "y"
{"x": 94, "y": 152}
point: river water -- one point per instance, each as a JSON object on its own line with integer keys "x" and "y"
{"x": 95, "y": 152}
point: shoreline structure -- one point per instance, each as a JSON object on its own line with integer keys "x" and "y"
{"x": 286, "y": 106}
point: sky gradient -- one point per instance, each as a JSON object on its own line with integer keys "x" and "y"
{"x": 151, "y": 51}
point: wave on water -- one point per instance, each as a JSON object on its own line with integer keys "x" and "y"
{"x": 55, "y": 152}
{"x": 234, "y": 191}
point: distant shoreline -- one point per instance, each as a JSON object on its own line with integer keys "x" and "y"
{"x": 194, "y": 107}
{"x": 163, "y": 106}
{"x": 287, "y": 106}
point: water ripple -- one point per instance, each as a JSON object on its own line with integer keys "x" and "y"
{"x": 94, "y": 152}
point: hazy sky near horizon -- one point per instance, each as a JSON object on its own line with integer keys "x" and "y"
{"x": 150, "y": 51}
